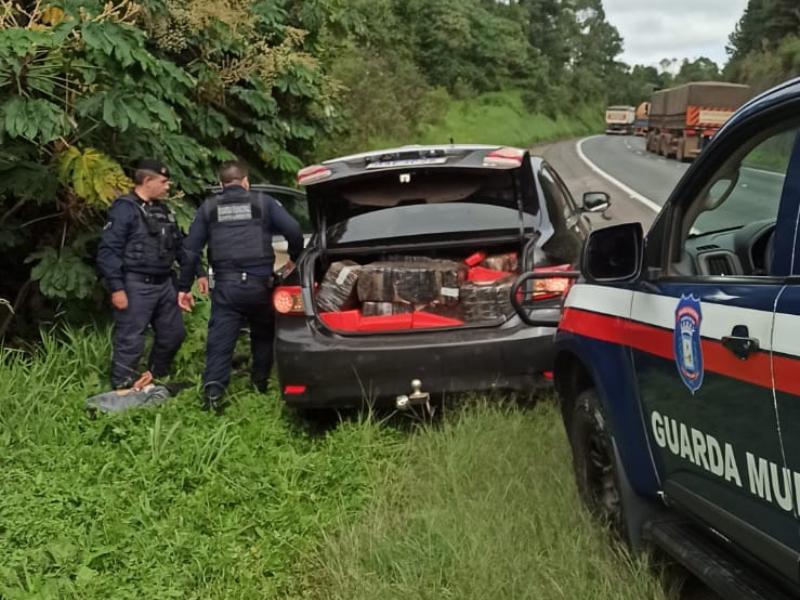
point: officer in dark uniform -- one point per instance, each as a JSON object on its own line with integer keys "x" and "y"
{"x": 139, "y": 245}
{"x": 238, "y": 225}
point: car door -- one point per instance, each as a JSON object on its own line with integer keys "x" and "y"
{"x": 786, "y": 349}
{"x": 703, "y": 336}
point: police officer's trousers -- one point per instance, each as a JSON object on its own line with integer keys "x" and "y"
{"x": 151, "y": 301}
{"x": 235, "y": 303}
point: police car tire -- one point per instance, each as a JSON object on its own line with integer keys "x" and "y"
{"x": 595, "y": 464}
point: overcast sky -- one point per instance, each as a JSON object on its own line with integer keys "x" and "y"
{"x": 656, "y": 29}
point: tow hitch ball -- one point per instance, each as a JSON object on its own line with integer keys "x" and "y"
{"x": 417, "y": 396}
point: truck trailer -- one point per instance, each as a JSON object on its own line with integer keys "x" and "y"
{"x": 683, "y": 119}
{"x": 619, "y": 119}
{"x": 640, "y": 124}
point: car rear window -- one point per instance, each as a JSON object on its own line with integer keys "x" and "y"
{"x": 428, "y": 219}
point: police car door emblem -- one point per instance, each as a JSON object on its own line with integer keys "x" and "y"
{"x": 687, "y": 346}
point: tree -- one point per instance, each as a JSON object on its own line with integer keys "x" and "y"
{"x": 764, "y": 46}
{"x": 87, "y": 87}
{"x": 762, "y": 26}
{"x": 701, "y": 69}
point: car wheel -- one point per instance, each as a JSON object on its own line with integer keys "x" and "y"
{"x": 595, "y": 462}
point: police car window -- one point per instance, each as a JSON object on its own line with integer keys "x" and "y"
{"x": 735, "y": 213}
{"x": 748, "y": 190}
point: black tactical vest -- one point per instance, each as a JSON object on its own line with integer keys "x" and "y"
{"x": 153, "y": 244}
{"x": 236, "y": 237}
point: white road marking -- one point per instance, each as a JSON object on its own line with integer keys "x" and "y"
{"x": 630, "y": 191}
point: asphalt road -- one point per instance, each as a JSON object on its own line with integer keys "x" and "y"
{"x": 581, "y": 178}
{"x": 625, "y": 158}
{"x": 648, "y": 180}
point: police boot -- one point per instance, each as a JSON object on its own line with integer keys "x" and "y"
{"x": 212, "y": 398}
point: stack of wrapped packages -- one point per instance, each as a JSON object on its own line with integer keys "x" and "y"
{"x": 472, "y": 291}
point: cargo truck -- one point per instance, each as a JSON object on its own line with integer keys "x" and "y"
{"x": 640, "y": 124}
{"x": 683, "y": 119}
{"x": 619, "y": 119}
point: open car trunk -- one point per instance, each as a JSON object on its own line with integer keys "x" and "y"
{"x": 421, "y": 248}
{"x": 426, "y": 289}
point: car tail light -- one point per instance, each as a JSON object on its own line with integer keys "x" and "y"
{"x": 312, "y": 174}
{"x": 288, "y": 300}
{"x": 294, "y": 390}
{"x": 552, "y": 287}
{"x": 504, "y": 158}
{"x": 549, "y": 288}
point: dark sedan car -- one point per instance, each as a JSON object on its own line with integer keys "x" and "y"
{"x": 403, "y": 291}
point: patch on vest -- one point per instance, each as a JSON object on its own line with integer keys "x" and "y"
{"x": 234, "y": 212}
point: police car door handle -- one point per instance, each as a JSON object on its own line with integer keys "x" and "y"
{"x": 740, "y": 342}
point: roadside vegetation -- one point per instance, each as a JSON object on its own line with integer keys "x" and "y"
{"x": 481, "y": 506}
{"x": 503, "y": 118}
{"x": 175, "y": 503}
{"x": 88, "y": 87}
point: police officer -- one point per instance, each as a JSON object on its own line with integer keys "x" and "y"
{"x": 238, "y": 225}
{"x": 138, "y": 247}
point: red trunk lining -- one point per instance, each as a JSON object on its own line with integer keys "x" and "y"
{"x": 353, "y": 320}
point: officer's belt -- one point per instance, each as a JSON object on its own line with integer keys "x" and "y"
{"x": 148, "y": 277}
{"x": 241, "y": 276}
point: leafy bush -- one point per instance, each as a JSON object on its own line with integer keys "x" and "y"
{"x": 88, "y": 87}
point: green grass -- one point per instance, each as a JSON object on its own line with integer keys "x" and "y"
{"x": 175, "y": 503}
{"x": 165, "y": 503}
{"x": 501, "y": 118}
{"x": 483, "y": 507}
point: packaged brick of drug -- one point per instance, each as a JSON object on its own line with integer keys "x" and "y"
{"x": 374, "y": 309}
{"x": 486, "y": 301}
{"x": 337, "y": 291}
{"x": 501, "y": 262}
{"x": 418, "y": 283}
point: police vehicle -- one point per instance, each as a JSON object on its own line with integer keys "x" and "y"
{"x": 677, "y": 362}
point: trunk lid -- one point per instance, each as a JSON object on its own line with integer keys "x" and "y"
{"x": 423, "y": 193}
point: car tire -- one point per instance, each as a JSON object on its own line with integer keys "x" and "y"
{"x": 601, "y": 480}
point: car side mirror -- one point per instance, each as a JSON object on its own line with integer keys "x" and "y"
{"x": 596, "y": 202}
{"x": 614, "y": 254}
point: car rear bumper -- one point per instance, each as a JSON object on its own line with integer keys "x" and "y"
{"x": 323, "y": 369}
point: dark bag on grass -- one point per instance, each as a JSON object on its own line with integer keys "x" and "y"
{"x": 120, "y": 400}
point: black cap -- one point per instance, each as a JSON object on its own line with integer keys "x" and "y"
{"x": 151, "y": 164}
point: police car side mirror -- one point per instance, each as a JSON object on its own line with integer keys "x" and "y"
{"x": 614, "y": 254}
